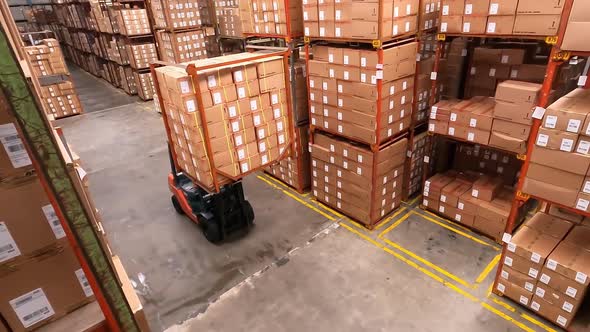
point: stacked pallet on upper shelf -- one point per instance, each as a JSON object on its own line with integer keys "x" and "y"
{"x": 277, "y": 18}
{"x": 505, "y": 18}
{"x": 230, "y": 14}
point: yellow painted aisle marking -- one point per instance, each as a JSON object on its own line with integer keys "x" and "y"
{"x": 506, "y": 317}
{"x": 503, "y": 304}
{"x": 395, "y": 224}
{"x": 384, "y": 222}
{"x": 437, "y": 217}
{"x": 488, "y": 269}
{"x": 439, "y": 279}
{"x": 536, "y": 322}
{"x": 411, "y": 203}
{"x": 329, "y": 217}
{"x": 489, "y": 292}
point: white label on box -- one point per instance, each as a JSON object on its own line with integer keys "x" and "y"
{"x": 458, "y": 217}
{"x": 8, "y": 248}
{"x": 253, "y": 105}
{"x": 538, "y": 113}
{"x": 535, "y": 306}
{"x": 540, "y": 292}
{"x": 493, "y": 8}
{"x": 211, "y": 81}
{"x": 345, "y": 164}
{"x": 551, "y": 264}
{"x": 468, "y": 9}
{"x": 505, "y": 58}
{"x": 443, "y": 198}
{"x": 441, "y": 209}
{"x": 461, "y": 206}
{"x": 53, "y": 221}
{"x": 466, "y": 26}
{"x": 238, "y": 139}
{"x": 84, "y": 282}
{"x": 452, "y": 131}
{"x": 501, "y": 287}
{"x": 568, "y": 307}
{"x": 433, "y": 112}
{"x": 322, "y": 15}
{"x": 533, "y": 272}
{"x": 312, "y": 84}
{"x": 390, "y": 119}
{"x": 561, "y": 320}
{"x": 235, "y": 126}
{"x": 570, "y": 291}
{"x": 184, "y": 87}
{"x": 491, "y": 28}
{"x": 475, "y": 193}
{"x": 425, "y": 202}
{"x": 542, "y": 140}
{"x": 325, "y": 99}
{"x": 473, "y": 70}
{"x": 443, "y": 27}
{"x": 431, "y": 127}
{"x": 32, "y": 307}
{"x": 245, "y": 167}
{"x": 506, "y": 238}
{"x": 445, "y": 10}
{"x": 535, "y": 257}
{"x": 338, "y": 34}
{"x": 453, "y": 117}
{"x": 359, "y": 171}
{"x": 433, "y": 76}
{"x": 567, "y": 145}
{"x": 581, "y": 277}
{"x": 508, "y": 261}
{"x": 492, "y": 72}
{"x": 528, "y": 286}
{"x": 261, "y": 133}
{"x": 241, "y": 92}
{"x": 582, "y": 80}
{"x": 550, "y": 121}
{"x": 545, "y": 278}
{"x": 504, "y": 274}
{"x": 582, "y": 204}
{"x": 470, "y": 137}
{"x": 583, "y": 147}
{"x": 395, "y": 11}
{"x": 573, "y": 125}
{"x": 340, "y": 128}
{"x": 511, "y": 247}
{"x": 427, "y": 159}
{"x": 514, "y": 73}
{"x": 14, "y": 146}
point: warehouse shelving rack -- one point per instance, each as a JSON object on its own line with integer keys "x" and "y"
{"x": 556, "y": 58}
{"x": 46, "y": 158}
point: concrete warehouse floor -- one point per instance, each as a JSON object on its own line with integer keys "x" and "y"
{"x": 303, "y": 267}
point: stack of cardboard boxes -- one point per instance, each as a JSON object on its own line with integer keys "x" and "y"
{"x": 450, "y": 74}
{"x": 141, "y": 55}
{"x": 430, "y": 10}
{"x": 229, "y": 17}
{"x": 60, "y": 100}
{"x": 560, "y": 159}
{"x": 472, "y": 199}
{"x": 545, "y": 267}
{"x": 176, "y": 14}
{"x": 46, "y": 58}
{"x": 182, "y": 46}
{"x": 295, "y": 169}
{"x": 419, "y": 150}
{"x": 145, "y": 85}
{"x": 116, "y": 50}
{"x": 344, "y": 97}
{"x": 490, "y": 66}
{"x": 133, "y": 22}
{"x": 342, "y": 177}
{"x": 501, "y": 17}
{"x": 265, "y": 17}
{"x": 126, "y": 79}
{"x": 26, "y": 300}
{"x": 246, "y": 110}
{"x": 361, "y": 20}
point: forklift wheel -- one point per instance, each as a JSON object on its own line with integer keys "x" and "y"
{"x": 249, "y": 211}
{"x": 176, "y": 205}
{"x": 211, "y": 231}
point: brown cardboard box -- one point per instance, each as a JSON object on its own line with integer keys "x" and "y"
{"x": 490, "y": 228}
{"x": 560, "y": 195}
{"x": 451, "y": 24}
{"x": 35, "y": 213}
{"x": 554, "y": 176}
{"x": 557, "y": 299}
{"x": 518, "y": 279}
{"x": 474, "y": 24}
{"x": 14, "y": 158}
{"x": 514, "y": 112}
{"x": 31, "y": 301}
{"x": 556, "y": 140}
{"x": 500, "y": 25}
{"x": 539, "y": 7}
{"x": 486, "y": 188}
{"x": 511, "y": 129}
{"x": 514, "y": 292}
{"x": 564, "y": 214}
{"x": 556, "y": 281}
{"x": 570, "y": 162}
{"x": 571, "y": 262}
{"x": 536, "y": 25}
{"x": 452, "y": 7}
{"x": 467, "y": 203}
{"x": 532, "y": 244}
{"x": 502, "y": 7}
{"x": 430, "y": 203}
{"x": 518, "y": 92}
{"x": 522, "y": 264}
{"x": 566, "y": 114}
{"x": 579, "y": 236}
{"x": 551, "y": 312}
{"x": 476, "y": 8}
{"x": 528, "y": 72}
{"x": 451, "y": 192}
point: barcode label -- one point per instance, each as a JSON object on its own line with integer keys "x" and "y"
{"x": 14, "y": 146}
{"x": 84, "y": 283}
{"x": 53, "y": 221}
{"x": 32, "y": 307}
{"x": 8, "y": 248}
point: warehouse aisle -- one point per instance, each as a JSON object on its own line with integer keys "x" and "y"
{"x": 177, "y": 272}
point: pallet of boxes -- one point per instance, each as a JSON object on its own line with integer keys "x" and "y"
{"x": 546, "y": 265}
{"x": 59, "y": 99}
{"x": 240, "y": 122}
{"x": 360, "y": 108}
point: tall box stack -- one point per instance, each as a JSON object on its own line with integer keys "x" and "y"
{"x": 269, "y": 18}
{"x": 57, "y": 100}
{"x": 26, "y": 300}
{"x": 176, "y": 14}
{"x": 145, "y": 85}
{"x": 229, "y": 17}
{"x": 360, "y": 20}
{"x": 419, "y": 150}
{"x": 180, "y": 47}
{"x": 134, "y": 22}
{"x": 560, "y": 159}
{"x": 430, "y": 10}
{"x": 142, "y": 55}
{"x": 490, "y": 66}
{"x": 501, "y": 17}
{"x": 344, "y": 96}
{"x": 546, "y": 267}
{"x": 248, "y": 122}
{"x": 515, "y": 102}
{"x": 365, "y": 185}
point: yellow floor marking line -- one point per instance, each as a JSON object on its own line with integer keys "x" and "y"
{"x": 437, "y": 278}
{"x": 506, "y": 317}
{"x": 329, "y": 217}
{"x": 437, "y": 217}
{"x": 460, "y": 232}
{"x": 503, "y": 304}
{"x": 270, "y": 177}
{"x": 384, "y": 222}
{"x": 411, "y": 203}
{"x": 395, "y": 224}
{"x": 489, "y": 292}
{"x": 488, "y": 269}
{"x": 427, "y": 263}
{"x": 536, "y": 322}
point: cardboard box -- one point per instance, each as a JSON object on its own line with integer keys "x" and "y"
{"x": 556, "y": 281}
{"x": 518, "y": 92}
{"x": 474, "y": 24}
{"x": 502, "y": 7}
{"x": 571, "y": 262}
{"x": 536, "y": 25}
{"x": 518, "y": 279}
{"x": 486, "y": 188}
{"x": 500, "y": 25}
{"x": 476, "y": 8}
{"x": 570, "y": 162}
{"x": 564, "y": 214}
{"x": 514, "y": 292}
{"x": 566, "y": 114}
{"x": 492, "y": 229}
{"x": 556, "y": 140}
{"x": 451, "y": 192}
{"x": 554, "y": 176}
{"x": 507, "y": 142}
{"x": 540, "y": 7}
{"x": 512, "y": 129}
{"x": 513, "y": 112}
{"x": 452, "y": 7}
{"x": 451, "y": 24}
{"x": 557, "y": 194}
{"x": 534, "y": 245}
{"x": 551, "y": 312}
{"x": 31, "y": 301}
